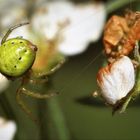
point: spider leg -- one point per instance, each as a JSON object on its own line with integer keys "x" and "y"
{"x": 24, "y": 107}
{"x": 42, "y": 79}
{"x": 53, "y": 70}
{"x": 27, "y": 92}
{"x": 10, "y": 30}
{"x": 38, "y": 81}
{"x": 35, "y": 94}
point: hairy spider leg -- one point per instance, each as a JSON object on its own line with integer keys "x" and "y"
{"x": 10, "y": 30}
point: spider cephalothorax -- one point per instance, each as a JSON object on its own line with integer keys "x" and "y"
{"x": 120, "y": 34}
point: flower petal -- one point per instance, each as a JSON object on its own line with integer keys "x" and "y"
{"x": 7, "y": 129}
{"x": 12, "y": 12}
{"x": 116, "y": 80}
{"x": 4, "y": 83}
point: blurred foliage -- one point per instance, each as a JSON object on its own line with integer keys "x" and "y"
{"x": 74, "y": 114}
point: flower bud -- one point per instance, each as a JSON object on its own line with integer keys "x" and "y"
{"x": 116, "y": 80}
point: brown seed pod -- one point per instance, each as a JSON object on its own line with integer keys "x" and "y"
{"x": 120, "y": 34}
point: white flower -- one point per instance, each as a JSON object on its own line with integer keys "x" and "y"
{"x": 11, "y": 12}
{"x": 7, "y": 129}
{"x": 4, "y": 83}
{"x": 116, "y": 80}
{"x": 76, "y": 25}
{"x": 82, "y": 23}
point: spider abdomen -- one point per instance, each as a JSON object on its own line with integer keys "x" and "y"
{"x": 17, "y": 56}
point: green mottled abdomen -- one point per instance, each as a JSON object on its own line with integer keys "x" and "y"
{"x": 16, "y": 57}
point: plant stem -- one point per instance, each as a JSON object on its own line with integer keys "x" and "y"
{"x": 7, "y": 107}
{"x": 116, "y": 4}
{"x": 58, "y": 119}
{"x": 125, "y": 104}
{"x": 136, "y": 90}
{"x": 42, "y": 108}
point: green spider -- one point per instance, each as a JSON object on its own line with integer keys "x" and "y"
{"x": 17, "y": 55}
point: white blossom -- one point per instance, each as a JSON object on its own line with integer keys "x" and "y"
{"x": 116, "y": 80}
{"x": 4, "y": 83}
{"x": 82, "y": 23}
{"x": 7, "y": 129}
{"x": 11, "y": 12}
{"x": 76, "y": 25}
